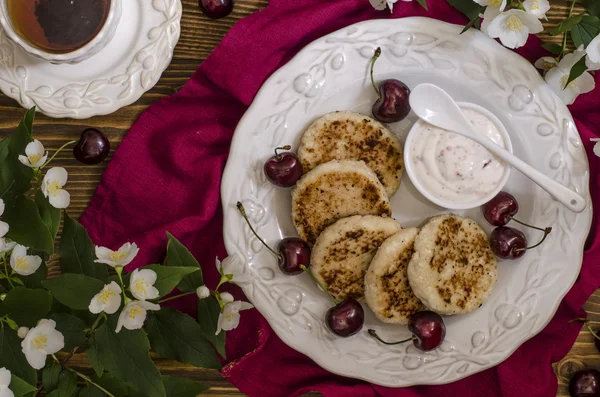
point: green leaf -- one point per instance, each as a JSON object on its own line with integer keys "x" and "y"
{"x": 177, "y": 336}
{"x": 74, "y": 290}
{"x": 12, "y": 357}
{"x": 94, "y": 357}
{"x": 67, "y": 383}
{"x": 27, "y": 306}
{"x": 72, "y": 328}
{"x": 585, "y": 31}
{"x": 27, "y": 227}
{"x": 12, "y": 324}
{"x": 566, "y": 25}
{"x": 469, "y": 8}
{"x": 50, "y": 376}
{"x": 424, "y": 4}
{"x": 177, "y": 387}
{"x": 19, "y": 387}
{"x": 50, "y": 215}
{"x": 208, "y": 316}
{"x": 577, "y": 70}
{"x": 15, "y": 178}
{"x": 90, "y": 391}
{"x": 553, "y": 48}
{"x": 76, "y": 251}
{"x": 126, "y": 356}
{"x": 178, "y": 255}
{"x": 593, "y": 7}
{"x": 167, "y": 277}
{"x": 112, "y": 384}
{"x": 473, "y": 22}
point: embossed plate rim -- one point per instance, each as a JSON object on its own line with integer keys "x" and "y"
{"x": 562, "y": 137}
{"x": 126, "y": 83}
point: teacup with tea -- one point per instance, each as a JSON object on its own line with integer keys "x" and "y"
{"x": 60, "y": 31}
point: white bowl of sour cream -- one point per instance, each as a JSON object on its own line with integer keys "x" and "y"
{"x": 453, "y": 171}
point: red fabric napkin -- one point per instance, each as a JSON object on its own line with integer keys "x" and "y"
{"x": 166, "y": 176}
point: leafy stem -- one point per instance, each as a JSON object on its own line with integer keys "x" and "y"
{"x": 89, "y": 335}
{"x": 58, "y": 151}
{"x": 86, "y": 378}
{"x": 6, "y": 271}
{"x": 119, "y": 270}
{"x": 170, "y": 298}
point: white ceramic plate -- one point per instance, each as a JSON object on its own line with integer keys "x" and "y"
{"x": 117, "y": 76}
{"x": 331, "y": 74}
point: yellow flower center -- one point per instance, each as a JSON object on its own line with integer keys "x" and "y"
{"x": 548, "y": 65}
{"x": 135, "y": 311}
{"x": 140, "y": 286}
{"x": 54, "y": 187}
{"x": 34, "y": 158}
{"x": 117, "y": 256}
{"x": 514, "y": 23}
{"x": 229, "y": 317}
{"x": 106, "y": 296}
{"x": 21, "y": 263}
{"x": 494, "y": 3}
{"x": 535, "y": 5}
{"x": 40, "y": 342}
{"x": 572, "y": 84}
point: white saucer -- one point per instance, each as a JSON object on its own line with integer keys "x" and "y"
{"x": 115, "y": 77}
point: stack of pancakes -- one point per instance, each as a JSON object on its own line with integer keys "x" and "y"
{"x": 341, "y": 207}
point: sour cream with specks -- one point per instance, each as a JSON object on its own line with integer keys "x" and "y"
{"x": 454, "y": 168}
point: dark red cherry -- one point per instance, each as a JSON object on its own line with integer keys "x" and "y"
{"x": 500, "y": 210}
{"x": 393, "y": 104}
{"x": 346, "y": 318}
{"x": 92, "y": 148}
{"x": 585, "y": 383}
{"x": 508, "y": 242}
{"x": 283, "y": 169}
{"x": 216, "y": 9}
{"x": 294, "y": 252}
{"x": 428, "y": 328}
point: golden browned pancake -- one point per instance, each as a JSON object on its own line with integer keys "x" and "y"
{"x": 336, "y": 190}
{"x": 387, "y": 290}
{"x": 342, "y": 253}
{"x": 353, "y": 136}
{"x": 453, "y": 269}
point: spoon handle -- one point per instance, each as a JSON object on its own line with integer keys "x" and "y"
{"x": 566, "y": 196}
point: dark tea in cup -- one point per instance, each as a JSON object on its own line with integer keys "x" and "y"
{"x": 58, "y": 26}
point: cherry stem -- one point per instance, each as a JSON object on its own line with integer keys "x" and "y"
{"x": 240, "y": 208}
{"x": 310, "y": 273}
{"x": 373, "y": 333}
{"x": 286, "y": 147}
{"x": 583, "y": 321}
{"x": 373, "y": 60}
{"x": 591, "y": 330}
{"x": 528, "y": 225}
{"x": 546, "y": 233}
{"x": 57, "y": 152}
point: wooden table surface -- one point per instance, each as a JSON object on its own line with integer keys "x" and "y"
{"x": 199, "y": 36}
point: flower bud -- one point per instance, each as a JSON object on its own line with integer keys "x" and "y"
{"x": 203, "y": 292}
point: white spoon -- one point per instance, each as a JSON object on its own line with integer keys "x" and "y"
{"x": 435, "y": 106}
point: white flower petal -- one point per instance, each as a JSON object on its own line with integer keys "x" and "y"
{"x": 34, "y": 148}
{"x": 108, "y": 300}
{"x": 147, "y": 274}
{"x": 24, "y": 160}
{"x": 202, "y": 292}
{"x": 481, "y": 2}
{"x": 2, "y": 207}
{"x": 537, "y": 8}
{"x": 4, "y": 377}
{"x": 42, "y": 340}
{"x": 103, "y": 255}
{"x": 597, "y": 149}
{"x": 246, "y": 306}
{"x": 149, "y": 305}
{"x": 141, "y": 284}
{"x": 4, "y": 228}
{"x": 22, "y": 332}
{"x": 378, "y": 4}
{"x": 35, "y": 358}
{"x": 61, "y": 200}
{"x": 591, "y": 65}
{"x": 6, "y": 245}
{"x": 489, "y": 15}
{"x": 593, "y": 50}
{"x": 58, "y": 174}
{"x": 226, "y": 297}
{"x": 545, "y": 63}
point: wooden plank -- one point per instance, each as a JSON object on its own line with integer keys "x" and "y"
{"x": 199, "y": 36}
